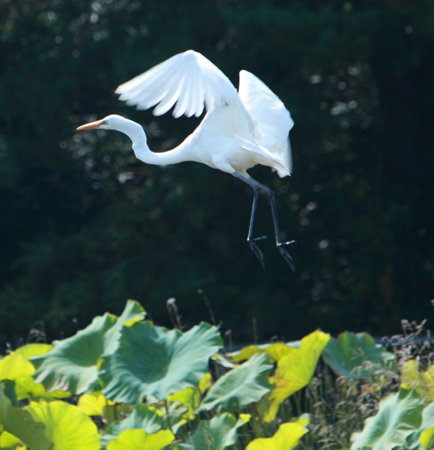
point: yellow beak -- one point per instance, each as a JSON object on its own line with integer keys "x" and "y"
{"x": 89, "y": 126}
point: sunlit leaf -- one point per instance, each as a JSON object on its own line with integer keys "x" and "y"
{"x": 169, "y": 361}
{"x": 72, "y": 363}
{"x": 357, "y": 356}
{"x": 143, "y": 417}
{"x": 93, "y": 404}
{"x": 427, "y": 427}
{"x": 295, "y": 370}
{"x": 275, "y": 351}
{"x": 215, "y": 434}
{"x": 245, "y": 384}
{"x": 423, "y": 382}
{"x": 29, "y": 350}
{"x": 286, "y": 437}
{"x": 8, "y": 440}
{"x": 398, "y": 417}
{"x": 21, "y": 424}
{"x": 17, "y": 368}
{"x": 139, "y": 440}
{"x": 66, "y": 426}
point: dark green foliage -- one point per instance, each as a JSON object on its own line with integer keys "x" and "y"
{"x": 84, "y": 225}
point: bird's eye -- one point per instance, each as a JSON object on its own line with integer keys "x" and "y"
{"x": 104, "y": 122}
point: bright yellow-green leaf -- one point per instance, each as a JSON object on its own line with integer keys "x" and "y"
{"x": 15, "y": 366}
{"x": 205, "y": 382}
{"x": 93, "y": 404}
{"x": 295, "y": 370}
{"x": 426, "y": 436}
{"x": 427, "y": 426}
{"x": 278, "y": 350}
{"x": 275, "y": 351}
{"x": 287, "y": 437}
{"x": 138, "y": 439}
{"x": 30, "y": 350}
{"x": 66, "y": 426}
{"x": 20, "y": 423}
{"x": 8, "y": 440}
{"x": 191, "y": 397}
{"x": 422, "y": 382}
{"x": 244, "y": 418}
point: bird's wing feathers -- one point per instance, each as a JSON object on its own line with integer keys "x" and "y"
{"x": 272, "y": 120}
{"x": 187, "y": 79}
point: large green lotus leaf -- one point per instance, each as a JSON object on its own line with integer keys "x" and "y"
{"x": 72, "y": 363}
{"x": 140, "y": 440}
{"x": 21, "y": 424}
{"x": 143, "y": 416}
{"x": 295, "y": 370}
{"x": 245, "y": 384}
{"x": 66, "y": 426}
{"x": 132, "y": 313}
{"x": 286, "y": 437}
{"x": 215, "y": 434}
{"x": 156, "y": 362}
{"x": 398, "y": 417}
{"x": 357, "y": 356}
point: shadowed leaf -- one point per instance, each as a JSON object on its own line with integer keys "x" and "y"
{"x": 215, "y": 434}
{"x": 357, "y": 355}
{"x": 398, "y": 417}
{"x": 241, "y": 386}
{"x": 156, "y": 362}
{"x": 20, "y": 423}
{"x": 143, "y": 417}
{"x": 72, "y": 363}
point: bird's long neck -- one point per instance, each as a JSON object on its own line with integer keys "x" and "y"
{"x": 142, "y": 151}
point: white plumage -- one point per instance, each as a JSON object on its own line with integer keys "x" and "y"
{"x": 240, "y": 129}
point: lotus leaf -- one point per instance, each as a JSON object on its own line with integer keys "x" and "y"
{"x": 398, "y": 417}
{"x": 357, "y": 356}
{"x": 156, "y": 362}
{"x": 245, "y": 384}
{"x": 72, "y": 363}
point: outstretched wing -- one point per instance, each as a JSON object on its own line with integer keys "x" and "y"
{"x": 272, "y": 120}
{"x": 187, "y": 79}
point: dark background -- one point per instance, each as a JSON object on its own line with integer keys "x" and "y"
{"x": 84, "y": 226}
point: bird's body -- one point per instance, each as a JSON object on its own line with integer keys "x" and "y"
{"x": 240, "y": 130}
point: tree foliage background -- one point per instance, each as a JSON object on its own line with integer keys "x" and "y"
{"x": 84, "y": 225}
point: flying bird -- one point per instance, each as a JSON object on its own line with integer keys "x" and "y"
{"x": 239, "y": 130}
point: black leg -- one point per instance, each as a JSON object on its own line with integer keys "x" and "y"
{"x": 257, "y": 187}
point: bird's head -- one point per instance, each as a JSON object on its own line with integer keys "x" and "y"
{"x": 112, "y": 122}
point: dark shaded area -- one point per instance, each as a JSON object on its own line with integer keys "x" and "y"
{"x": 84, "y": 226}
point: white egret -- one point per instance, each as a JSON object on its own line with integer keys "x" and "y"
{"x": 240, "y": 129}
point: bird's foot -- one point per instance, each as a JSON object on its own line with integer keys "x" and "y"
{"x": 256, "y": 250}
{"x": 286, "y": 256}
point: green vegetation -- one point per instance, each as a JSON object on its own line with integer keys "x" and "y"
{"x": 123, "y": 382}
{"x": 84, "y": 224}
